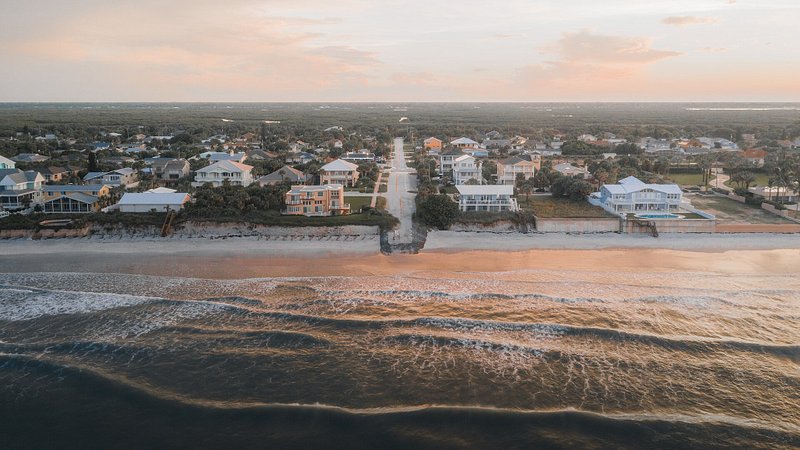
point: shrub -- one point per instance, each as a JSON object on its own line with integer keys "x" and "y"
{"x": 437, "y": 211}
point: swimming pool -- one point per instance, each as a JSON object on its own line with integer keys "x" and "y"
{"x": 659, "y": 216}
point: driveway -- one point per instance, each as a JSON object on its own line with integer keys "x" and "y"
{"x": 399, "y": 201}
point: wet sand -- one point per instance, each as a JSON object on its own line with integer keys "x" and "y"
{"x": 446, "y": 252}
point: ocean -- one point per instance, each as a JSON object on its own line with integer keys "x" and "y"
{"x": 445, "y": 359}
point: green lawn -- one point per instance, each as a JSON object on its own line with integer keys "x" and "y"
{"x": 546, "y": 206}
{"x": 356, "y": 203}
{"x": 687, "y": 179}
{"x": 762, "y": 179}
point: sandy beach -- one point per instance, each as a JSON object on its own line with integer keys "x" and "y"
{"x": 444, "y": 251}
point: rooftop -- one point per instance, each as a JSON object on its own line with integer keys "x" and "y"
{"x": 485, "y": 189}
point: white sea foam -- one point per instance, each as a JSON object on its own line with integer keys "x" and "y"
{"x": 20, "y": 304}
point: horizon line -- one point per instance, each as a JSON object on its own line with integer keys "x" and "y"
{"x": 787, "y": 102}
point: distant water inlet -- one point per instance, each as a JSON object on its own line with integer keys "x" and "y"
{"x": 516, "y": 359}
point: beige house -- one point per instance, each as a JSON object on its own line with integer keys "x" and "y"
{"x": 237, "y": 174}
{"x": 508, "y": 169}
{"x": 339, "y": 172}
{"x": 464, "y": 142}
{"x": 324, "y": 200}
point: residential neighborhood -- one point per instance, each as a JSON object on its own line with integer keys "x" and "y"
{"x": 343, "y": 173}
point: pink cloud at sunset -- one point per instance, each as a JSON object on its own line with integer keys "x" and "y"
{"x": 310, "y": 50}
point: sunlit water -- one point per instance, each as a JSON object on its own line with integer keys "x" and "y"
{"x": 553, "y": 358}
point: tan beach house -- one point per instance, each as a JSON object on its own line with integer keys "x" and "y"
{"x": 508, "y": 170}
{"x": 339, "y": 172}
{"x": 237, "y": 174}
{"x": 320, "y": 200}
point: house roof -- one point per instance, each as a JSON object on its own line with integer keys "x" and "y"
{"x": 463, "y": 141}
{"x": 176, "y": 164}
{"x": 230, "y": 166}
{"x": 30, "y": 157}
{"x": 4, "y": 160}
{"x": 52, "y": 170}
{"x": 754, "y": 153}
{"x": 79, "y": 196}
{"x": 514, "y": 160}
{"x": 485, "y": 189}
{"x": 453, "y": 152}
{"x": 72, "y": 187}
{"x": 326, "y": 187}
{"x": 339, "y": 165}
{"x": 151, "y": 198}
{"x": 433, "y": 139}
{"x": 567, "y": 167}
{"x": 18, "y": 176}
{"x": 632, "y": 184}
{"x": 464, "y": 158}
{"x": 161, "y": 190}
{"x": 93, "y": 175}
{"x": 285, "y": 172}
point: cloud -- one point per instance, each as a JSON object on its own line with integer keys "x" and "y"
{"x": 682, "y": 21}
{"x": 587, "y": 47}
{"x": 587, "y": 62}
{"x": 191, "y": 50}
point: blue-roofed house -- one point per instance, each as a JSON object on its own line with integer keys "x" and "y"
{"x": 633, "y": 195}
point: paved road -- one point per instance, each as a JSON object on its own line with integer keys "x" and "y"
{"x": 719, "y": 180}
{"x": 399, "y": 201}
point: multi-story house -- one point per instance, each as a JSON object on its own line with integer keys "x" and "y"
{"x": 466, "y": 168}
{"x": 339, "y": 172}
{"x": 324, "y": 200}
{"x": 20, "y": 189}
{"x": 171, "y": 169}
{"x": 633, "y": 195}
{"x": 446, "y": 160}
{"x": 495, "y": 198}
{"x": 508, "y": 170}
{"x": 433, "y": 144}
{"x": 237, "y": 174}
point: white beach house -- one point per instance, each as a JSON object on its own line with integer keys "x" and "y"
{"x": 485, "y": 197}
{"x": 633, "y": 195}
{"x": 466, "y": 168}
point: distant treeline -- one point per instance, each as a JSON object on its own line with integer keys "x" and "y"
{"x": 537, "y": 121}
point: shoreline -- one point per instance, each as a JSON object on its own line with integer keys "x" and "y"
{"x": 460, "y": 253}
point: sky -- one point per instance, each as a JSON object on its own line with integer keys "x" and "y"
{"x": 399, "y": 51}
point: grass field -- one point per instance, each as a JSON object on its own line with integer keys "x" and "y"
{"x": 687, "y": 179}
{"x": 546, "y": 206}
{"x": 356, "y": 203}
{"x": 762, "y": 179}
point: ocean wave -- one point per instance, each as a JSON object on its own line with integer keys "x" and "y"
{"x": 89, "y": 387}
{"x": 18, "y": 305}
